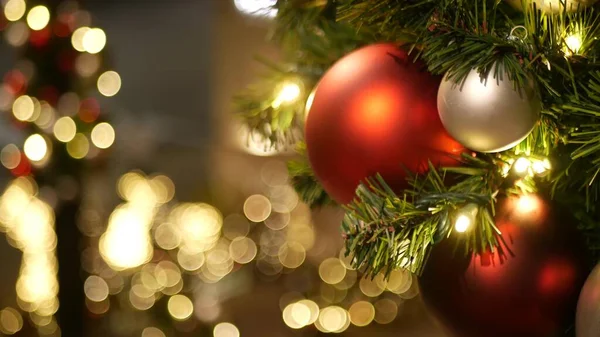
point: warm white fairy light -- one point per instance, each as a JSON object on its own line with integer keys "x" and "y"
{"x": 465, "y": 218}
{"x": 289, "y": 92}
{"x": 521, "y": 166}
{"x": 573, "y": 43}
{"x": 541, "y": 166}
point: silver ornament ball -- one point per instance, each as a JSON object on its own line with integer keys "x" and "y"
{"x": 555, "y": 6}
{"x": 487, "y": 114}
{"x": 587, "y": 322}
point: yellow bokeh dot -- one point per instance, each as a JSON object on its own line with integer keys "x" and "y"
{"x": 292, "y": 254}
{"x": 399, "y": 281}
{"x": 226, "y": 330}
{"x": 35, "y": 147}
{"x": 95, "y": 288}
{"x": 242, "y": 250}
{"x": 38, "y": 17}
{"x": 288, "y": 318}
{"x": 190, "y": 261}
{"x": 372, "y": 287}
{"x": 103, "y": 135}
{"x": 167, "y": 236}
{"x": 180, "y": 307}
{"x": 77, "y": 38}
{"x": 333, "y": 318}
{"x": 23, "y": 107}
{"x": 152, "y": 332}
{"x": 10, "y": 156}
{"x": 65, "y": 129}
{"x": 257, "y": 208}
{"x": 313, "y": 308}
{"x": 332, "y": 271}
{"x": 14, "y": 10}
{"x": 385, "y": 311}
{"x": 109, "y": 83}
{"x": 362, "y": 313}
{"x": 11, "y": 321}
{"x": 94, "y": 40}
{"x": 79, "y": 146}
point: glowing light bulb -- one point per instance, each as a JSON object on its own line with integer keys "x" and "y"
{"x": 466, "y": 218}
{"x": 38, "y": 17}
{"x": 573, "y": 43}
{"x": 541, "y": 166}
{"x": 463, "y": 223}
{"x": 288, "y": 93}
{"x": 521, "y": 166}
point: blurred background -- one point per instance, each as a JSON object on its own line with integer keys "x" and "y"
{"x": 133, "y": 205}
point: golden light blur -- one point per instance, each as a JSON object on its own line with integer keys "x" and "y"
{"x": 29, "y": 224}
{"x": 373, "y": 287}
{"x": 235, "y": 225}
{"x": 292, "y": 254}
{"x": 23, "y": 108}
{"x": 103, "y": 135}
{"x": 333, "y": 319}
{"x": 35, "y": 147}
{"x": 226, "y": 330}
{"x": 242, "y": 250}
{"x": 126, "y": 242}
{"x": 153, "y": 332}
{"x": 332, "y": 271}
{"x": 167, "y": 236}
{"x": 10, "y": 156}
{"x": 180, "y": 307}
{"x": 386, "y": 311}
{"x": 287, "y": 93}
{"x": 14, "y": 10}
{"x": 17, "y": 34}
{"x": 109, "y": 83}
{"x": 190, "y": 261}
{"x": 399, "y": 281}
{"x": 573, "y": 43}
{"x": 47, "y": 116}
{"x": 11, "y": 321}
{"x": 79, "y": 146}
{"x": 38, "y": 17}
{"x": 362, "y": 313}
{"x": 65, "y": 129}
{"x": 95, "y": 288}
{"x": 77, "y": 38}
{"x": 93, "y": 40}
{"x": 87, "y": 64}
{"x": 257, "y": 208}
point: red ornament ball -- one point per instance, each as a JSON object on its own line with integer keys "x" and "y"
{"x": 529, "y": 291}
{"x": 375, "y": 112}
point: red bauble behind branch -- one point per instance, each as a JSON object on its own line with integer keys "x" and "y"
{"x": 375, "y": 112}
{"x": 531, "y": 293}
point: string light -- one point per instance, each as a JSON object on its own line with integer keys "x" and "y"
{"x": 573, "y": 43}
{"x": 541, "y": 167}
{"x": 103, "y": 135}
{"x": 466, "y": 218}
{"x": 289, "y": 92}
{"x": 521, "y": 166}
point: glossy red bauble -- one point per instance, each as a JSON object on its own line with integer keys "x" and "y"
{"x": 531, "y": 291}
{"x": 375, "y": 112}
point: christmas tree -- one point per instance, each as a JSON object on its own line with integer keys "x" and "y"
{"x": 461, "y": 137}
